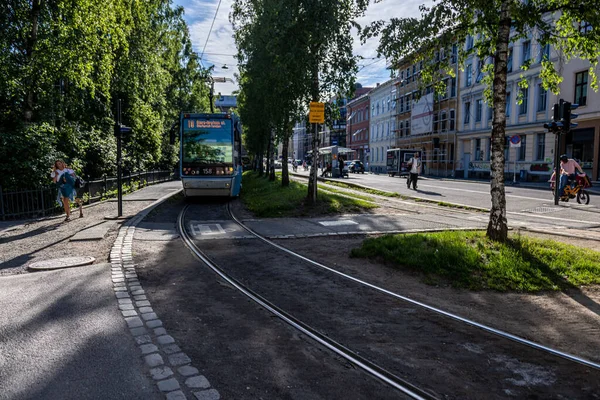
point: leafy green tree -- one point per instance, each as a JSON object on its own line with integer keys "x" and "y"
{"x": 496, "y": 24}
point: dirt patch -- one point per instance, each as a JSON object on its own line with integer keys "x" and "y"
{"x": 568, "y": 321}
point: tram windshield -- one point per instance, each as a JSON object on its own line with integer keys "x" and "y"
{"x": 207, "y": 141}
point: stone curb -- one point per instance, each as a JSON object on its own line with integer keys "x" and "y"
{"x": 170, "y": 368}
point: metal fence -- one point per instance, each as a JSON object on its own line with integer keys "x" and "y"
{"x": 32, "y": 203}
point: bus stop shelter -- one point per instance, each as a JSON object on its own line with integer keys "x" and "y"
{"x": 332, "y": 154}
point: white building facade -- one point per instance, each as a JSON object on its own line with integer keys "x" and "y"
{"x": 382, "y": 125}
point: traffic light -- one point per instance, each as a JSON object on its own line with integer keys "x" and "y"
{"x": 556, "y": 111}
{"x": 556, "y": 124}
{"x": 568, "y": 116}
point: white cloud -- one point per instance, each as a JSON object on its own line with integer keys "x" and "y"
{"x": 221, "y": 46}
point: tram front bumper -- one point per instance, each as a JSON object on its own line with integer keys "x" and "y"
{"x": 207, "y": 187}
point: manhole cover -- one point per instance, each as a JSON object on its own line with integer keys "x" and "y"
{"x": 58, "y": 263}
{"x": 543, "y": 210}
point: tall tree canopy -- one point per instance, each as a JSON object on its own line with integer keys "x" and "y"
{"x": 65, "y": 62}
{"x": 494, "y": 25}
{"x": 291, "y": 53}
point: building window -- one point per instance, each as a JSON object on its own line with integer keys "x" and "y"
{"x": 444, "y": 121}
{"x": 401, "y": 104}
{"x": 524, "y": 102}
{"x": 542, "y": 98}
{"x": 478, "y": 109}
{"x": 453, "y": 87}
{"x": 526, "y": 53}
{"x": 506, "y": 148}
{"x": 407, "y": 127}
{"x": 522, "y": 148}
{"x": 478, "y": 153}
{"x": 544, "y": 54}
{"x": 452, "y": 119}
{"x": 372, "y": 110}
{"x": 488, "y": 154}
{"x": 468, "y": 72}
{"x": 541, "y": 146}
{"x": 436, "y": 122}
{"x": 509, "y": 60}
{"x": 585, "y": 27}
{"x": 507, "y": 104}
{"x": 581, "y": 80}
{"x": 469, "y": 43}
{"x": 408, "y": 102}
{"x": 479, "y": 76}
{"x": 454, "y": 53}
{"x": 467, "y": 112}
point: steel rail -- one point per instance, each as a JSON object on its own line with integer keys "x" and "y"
{"x": 396, "y": 382}
{"x": 486, "y": 328}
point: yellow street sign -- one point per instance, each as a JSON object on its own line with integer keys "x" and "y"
{"x": 317, "y": 113}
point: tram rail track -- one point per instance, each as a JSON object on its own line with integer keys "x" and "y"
{"x": 373, "y": 369}
{"x": 436, "y": 310}
{"x": 359, "y": 361}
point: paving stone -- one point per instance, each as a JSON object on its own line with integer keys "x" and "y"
{"x": 133, "y": 282}
{"x": 115, "y": 280}
{"x": 124, "y": 307}
{"x": 136, "y": 292}
{"x": 119, "y": 284}
{"x": 138, "y": 331}
{"x": 179, "y": 359}
{"x": 187, "y": 370}
{"x": 121, "y": 295}
{"x": 134, "y": 287}
{"x": 210, "y": 394}
{"x": 129, "y": 313}
{"x": 171, "y": 348}
{"x": 144, "y": 310}
{"x": 197, "y": 382}
{"x": 153, "y": 360}
{"x": 130, "y": 275}
{"x": 176, "y": 395}
{"x": 120, "y": 289}
{"x": 160, "y": 331}
{"x": 149, "y": 316}
{"x": 154, "y": 323}
{"x": 140, "y": 297}
{"x": 148, "y": 348}
{"x": 165, "y": 339}
{"x": 124, "y": 301}
{"x": 160, "y": 373}
{"x": 143, "y": 339}
{"x": 134, "y": 322}
{"x": 168, "y": 385}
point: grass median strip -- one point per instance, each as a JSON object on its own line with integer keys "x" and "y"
{"x": 365, "y": 190}
{"x": 468, "y": 259}
{"x": 269, "y": 199}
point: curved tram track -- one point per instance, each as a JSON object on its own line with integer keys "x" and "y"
{"x": 486, "y": 342}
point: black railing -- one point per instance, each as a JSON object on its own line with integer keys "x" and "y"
{"x": 31, "y": 203}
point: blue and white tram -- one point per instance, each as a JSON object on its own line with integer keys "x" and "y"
{"x": 210, "y": 154}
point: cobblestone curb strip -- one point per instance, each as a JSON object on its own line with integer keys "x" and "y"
{"x": 170, "y": 368}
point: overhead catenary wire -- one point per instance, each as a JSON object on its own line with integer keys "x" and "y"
{"x": 209, "y": 31}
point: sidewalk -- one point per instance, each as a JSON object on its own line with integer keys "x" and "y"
{"x": 62, "y": 334}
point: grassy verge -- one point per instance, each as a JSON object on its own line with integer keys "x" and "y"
{"x": 270, "y": 199}
{"x": 470, "y": 260}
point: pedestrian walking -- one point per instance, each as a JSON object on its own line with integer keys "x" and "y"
{"x": 64, "y": 178}
{"x": 415, "y": 166}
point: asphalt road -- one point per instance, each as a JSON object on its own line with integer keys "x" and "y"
{"x": 523, "y": 204}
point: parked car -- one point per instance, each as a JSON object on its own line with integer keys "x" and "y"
{"x": 278, "y": 164}
{"x": 356, "y": 166}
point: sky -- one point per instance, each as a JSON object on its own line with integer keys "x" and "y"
{"x": 218, "y": 48}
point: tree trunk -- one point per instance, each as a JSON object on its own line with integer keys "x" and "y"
{"x": 312, "y": 180}
{"x": 285, "y": 174}
{"x": 36, "y": 6}
{"x": 268, "y": 157}
{"x": 497, "y": 227}
{"x": 272, "y": 159}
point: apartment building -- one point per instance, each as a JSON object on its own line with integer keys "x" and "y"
{"x": 528, "y": 108}
{"x": 426, "y": 121}
{"x": 382, "y": 124}
{"x": 357, "y": 127}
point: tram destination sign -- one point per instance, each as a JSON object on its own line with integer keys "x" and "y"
{"x": 204, "y": 124}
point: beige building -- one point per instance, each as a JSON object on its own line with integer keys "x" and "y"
{"x": 533, "y": 160}
{"x": 427, "y": 123}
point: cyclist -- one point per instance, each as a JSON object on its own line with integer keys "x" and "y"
{"x": 567, "y": 172}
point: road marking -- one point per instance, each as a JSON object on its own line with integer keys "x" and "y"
{"x": 338, "y": 222}
{"x": 205, "y": 230}
{"x": 478, "y": 191}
